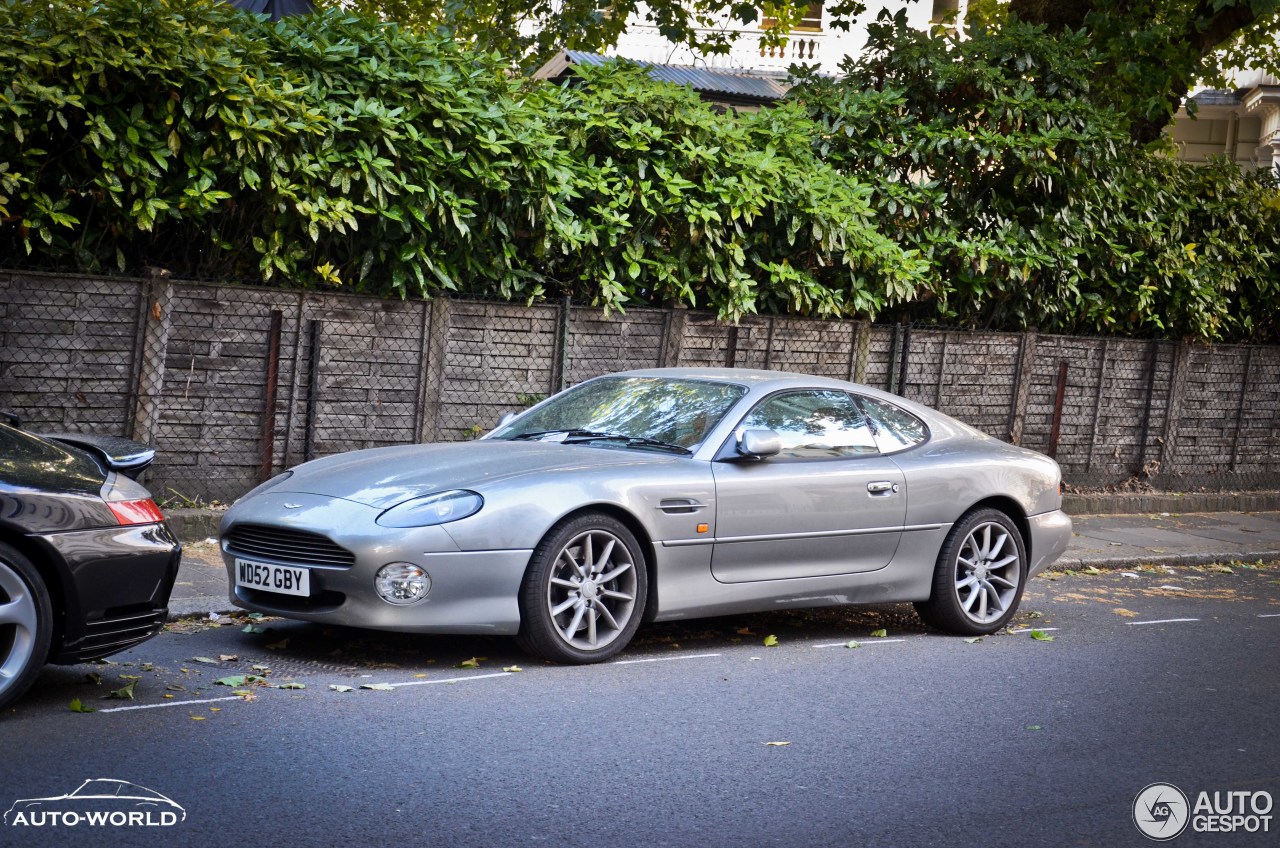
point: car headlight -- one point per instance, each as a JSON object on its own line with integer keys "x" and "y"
{"x": 428, "y": 511}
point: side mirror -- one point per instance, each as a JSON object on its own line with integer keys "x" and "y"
{"x": 507, "y": 418}
{"x": 759, "y": 443}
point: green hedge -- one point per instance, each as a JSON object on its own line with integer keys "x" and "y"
{"x": 970, "y": 182}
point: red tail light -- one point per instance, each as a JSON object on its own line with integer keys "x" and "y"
{"x": 136, "y": 512}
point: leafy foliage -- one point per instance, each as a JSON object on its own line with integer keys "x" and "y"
{"x": 1029, "y": 201}
{"x": 973, "y": 181}
{"x": 532, "y": 31}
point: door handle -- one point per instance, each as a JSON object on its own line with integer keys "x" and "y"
{"x": 881, "y": 487}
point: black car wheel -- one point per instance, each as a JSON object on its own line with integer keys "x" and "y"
{"x": 978, "y": 581}
{"x": 26, "y": 624}
{"x": 584, "y": 593}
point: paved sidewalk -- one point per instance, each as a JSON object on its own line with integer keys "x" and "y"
{"x": 1101, "y": 541}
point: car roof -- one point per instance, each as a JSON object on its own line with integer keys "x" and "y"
{"x": 770, "y": 381}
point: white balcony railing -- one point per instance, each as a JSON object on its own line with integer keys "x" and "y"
{"x": 646, "y": 44}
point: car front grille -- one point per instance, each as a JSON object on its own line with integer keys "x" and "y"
{"x": 282, "y": 544}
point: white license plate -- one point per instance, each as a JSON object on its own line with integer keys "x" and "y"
{"x": 285, "y": 579}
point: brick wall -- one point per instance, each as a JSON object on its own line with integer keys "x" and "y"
{"x": 190, "y": 368}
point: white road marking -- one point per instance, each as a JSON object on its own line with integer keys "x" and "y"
{"x": 665, "y": 659}
{"x": 860, "y": 643}
{"x": 1269, "y": 615}
{"x": 1163, "y": 621}
{"x": 169, "y": 704}
{"x": 1029, "y": 629}
{"x": 452, "y": 679}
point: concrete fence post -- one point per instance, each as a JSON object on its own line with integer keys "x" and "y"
{"x": 157, "y": 298}
{"x": 1022, "y": 386}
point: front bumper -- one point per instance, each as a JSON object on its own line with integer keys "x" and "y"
{"x": 471, "y": 591}
{"x": 1050, "y": 535}
{"x": 116, "y": 587}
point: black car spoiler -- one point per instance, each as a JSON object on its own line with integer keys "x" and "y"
{"x": 128, "y": 457}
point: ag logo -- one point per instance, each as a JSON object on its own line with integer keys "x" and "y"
{"x": 1161, "y": 811}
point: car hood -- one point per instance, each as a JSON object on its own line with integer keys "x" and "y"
{"x": 384, "y": 477}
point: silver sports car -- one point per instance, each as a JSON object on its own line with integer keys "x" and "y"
{"x": 651, "y": 496}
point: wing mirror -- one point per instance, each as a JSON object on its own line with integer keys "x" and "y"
{"x": 759, "y": 444}
{"x": 507, "y": 418}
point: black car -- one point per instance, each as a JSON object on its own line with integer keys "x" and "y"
{"x": 86, "y": 559}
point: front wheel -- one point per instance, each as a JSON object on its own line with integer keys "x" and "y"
{"x": 26, "y": 624}
{"x": 979, "y": 576}
{"x": 584, "y": 592}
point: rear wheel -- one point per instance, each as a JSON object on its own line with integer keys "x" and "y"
{"x": 979, "y": 576}
{"x": 26, "y": 624}
{"x": 584, "y": 593}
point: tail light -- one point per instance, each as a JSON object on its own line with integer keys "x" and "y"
{"x": 136, "y": 512}
{"x": 129, "y": 501}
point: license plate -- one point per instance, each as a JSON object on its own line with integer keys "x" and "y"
{"x": 285, "y": 579}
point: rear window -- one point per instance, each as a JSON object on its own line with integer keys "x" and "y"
{"x": 894, "y": 428}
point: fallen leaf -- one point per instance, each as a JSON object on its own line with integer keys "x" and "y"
{"x": 973, "y": 640}
{"x": 339, "y": 688}
{"x": 147, "y": 667}
{"x": 235, "y": 680}
{"x": 215, "y": 709}
{"x": 243, "y": 693}
{"x": 1124, "y": 612}
{"x": 130, "y": 677}
{"x": 205, "y": 660}
{"x": 176, "y": 687}
{"x": 1034, "y": 727}
{"x": 77, "y": 707}
{"x": 1041, "y": 636}
{"x": 94, "y": 678}
{"x": 745, "y": 631}
{"x": 421, "y": 674}
{"x": 471, "y": 663}
{"x": 198, "y": 718}
{"x": 124, "y": 693}
{"x": 256, "y": 616}
{"x": 512, "y": 669}
{"x": 228, "y": 657}
{"x": 278, "y": 646}
{"x": 777, "y": 744}
{"x": 252, "y": 628}
{"x": 378, "y": 687}
{"x": 1092, "y": 570}
{"x": 166, "y": 695}
{"x": 853, "y": 643}
{"x": 771, "y": 641}
{"x": 262, "y": 668}
{"x": 292, "y": 685}
{"x": 879, "y": 634}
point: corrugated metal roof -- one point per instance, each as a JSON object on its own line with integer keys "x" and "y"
{"x": 701, "y": 79}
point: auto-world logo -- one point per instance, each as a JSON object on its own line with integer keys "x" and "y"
{"x": 1161, "y": 811}
{"x": 98, "y": 803}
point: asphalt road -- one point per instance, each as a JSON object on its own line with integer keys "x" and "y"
{"x": 907, "y": 739}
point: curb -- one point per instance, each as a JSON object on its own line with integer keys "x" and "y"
{"x": 1137, "y": 504}
{"x": 1074, "y": 563}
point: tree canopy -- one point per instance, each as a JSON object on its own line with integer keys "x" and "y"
{"x": 1152, "y": 52}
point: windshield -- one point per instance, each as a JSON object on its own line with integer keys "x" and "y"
{"x": 671, "y": 411}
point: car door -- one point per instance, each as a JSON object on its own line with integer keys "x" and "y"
{"x": 828, "y": 503}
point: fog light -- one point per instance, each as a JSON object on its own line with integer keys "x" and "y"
{"x": 402, "y": 583}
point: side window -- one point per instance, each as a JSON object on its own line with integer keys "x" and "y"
{"x": 895, "y": 429}
{"x": 814, "y": 425}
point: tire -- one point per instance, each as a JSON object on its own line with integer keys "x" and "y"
{"x": 584, "y": 592}
{"x": 26, "y": 624}
{"x": 979, "y": 576}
